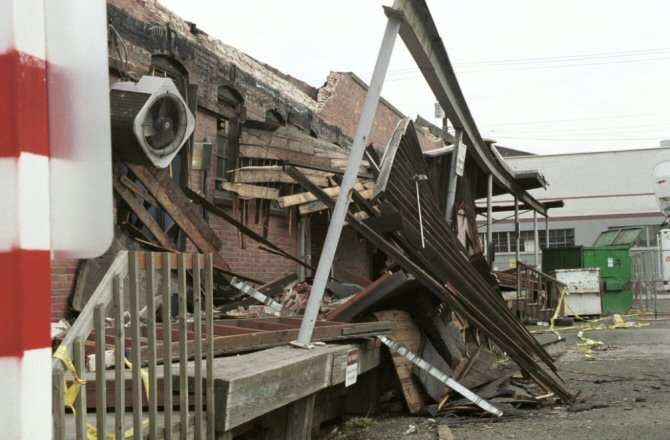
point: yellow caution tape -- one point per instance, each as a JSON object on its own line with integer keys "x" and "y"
{"x": 144, "y": 374}
{"x": 72, "y": 391}
{"x": 587, "y": 345}
{"x": 619, "y": 322}
{"x": 562, "y": 300}
{"x": 92, "y": 432}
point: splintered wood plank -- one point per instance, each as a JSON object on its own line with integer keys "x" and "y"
{"x": 275, "y": 174}
{"x": 306, "y": 197}
{"x": 140, "y": 192}
{"x": 173, "y": 200}
{"x": 292, "y": 139}
{"x": 342, "y": 163}
{"x": 285, "y": 137}
{"x": 316, "y": 205}
{"x": 405, "y": 332}
{"x": 274, "y": 153}
{"x": 248, "y": 191}
{"x": 145, "y": 216}
{"x": 478, "y": 370}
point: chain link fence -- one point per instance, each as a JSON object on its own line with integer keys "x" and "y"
{"x": 646, "y": 279}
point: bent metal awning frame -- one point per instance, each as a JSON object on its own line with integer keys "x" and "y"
{"x": 420, "y": 35}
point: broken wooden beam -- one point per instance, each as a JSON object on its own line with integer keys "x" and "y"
{"x": 317, "y": 206}
{"x": 306, "y": 197}
{"x": 140, "y": 192}
{"x": 248, "y": 191}
{"x": 405, "y": 331}
{"x": 275, "y": 174}
{"x": 175, "y": 203}
{"x": 144, "y": 216}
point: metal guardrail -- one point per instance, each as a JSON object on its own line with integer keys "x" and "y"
{"x": 69, "y": 388}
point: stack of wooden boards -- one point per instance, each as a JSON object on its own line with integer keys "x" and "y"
{"x": 260, "y": 174}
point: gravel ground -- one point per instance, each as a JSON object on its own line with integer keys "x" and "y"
{"x": 625, "y": 388}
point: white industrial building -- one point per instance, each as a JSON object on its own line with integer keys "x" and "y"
{"x": 601, "y": 190}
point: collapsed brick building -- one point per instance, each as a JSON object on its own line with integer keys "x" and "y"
{"x": 229, "y": 91}
{"x": 236, "y": 214}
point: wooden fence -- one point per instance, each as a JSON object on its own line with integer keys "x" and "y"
{"x": 154, "y": 412}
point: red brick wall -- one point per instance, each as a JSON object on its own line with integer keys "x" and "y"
{"x": 63, "y": 273}
{"x": 252, "y": 261}
{"x": 343, "y": 104}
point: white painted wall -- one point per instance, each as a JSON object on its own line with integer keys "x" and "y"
{"x": 613, "y": 182}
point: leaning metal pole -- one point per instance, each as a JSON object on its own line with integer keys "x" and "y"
{"x": 517, "y": 255}
{"x": 536, "y": 241}
{"x": 350, "y": 174}
{"x": 453, "y": 177}
{"x": 489, "y": 220}
{"x": 546, "y": 230}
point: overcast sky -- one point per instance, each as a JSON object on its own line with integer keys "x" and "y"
{"x": 542, "y": 76}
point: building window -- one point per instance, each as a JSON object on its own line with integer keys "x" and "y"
{"x": 505, "y": 242}
{"x": 501, "y": 242}
{"x": 528, "y": 241}
{"x": 558, "y": 238}
{"x": 167, "y": 67}
{"x": 222, "y": 136}
{"x": 228, "y": 96}
{"x": 227, "y": 132}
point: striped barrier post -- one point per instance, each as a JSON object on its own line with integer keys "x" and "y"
{"x": 25, "y": 298}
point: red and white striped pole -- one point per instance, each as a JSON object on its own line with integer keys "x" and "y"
{"x": 25, "y": 298}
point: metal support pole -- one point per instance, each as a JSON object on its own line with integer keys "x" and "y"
{"x": 453, "y": 177}
{"x": 417, "y": 179}
{"x": 489, "y": 219}
{"x": 348, "y": 180}
{"x": 546, "y": 230}
{"x": 517, "y": 254}
{"x": 517, "y": 234}
{"x": 536, "y": 241}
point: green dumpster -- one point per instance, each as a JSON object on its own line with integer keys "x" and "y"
{"x": 561, "y": 258}
{"x": 614, "y": 264}
{"x": 611, "y": 253}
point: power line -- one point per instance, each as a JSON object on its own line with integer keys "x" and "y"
{"x": 597, "y": 55}
{"x": 531, "y": 67}
{"x": 655, "y": 138}
{"x": 583, "y": 130}
{"x": 549, "y": 59}
{"x": 588, "y": 118}
{"x": 475, "y": 65}
{"x": 553, "y": 59}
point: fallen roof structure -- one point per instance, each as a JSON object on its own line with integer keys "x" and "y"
{"x": 437, "y": 305}
{"x": 439, "y": 261}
